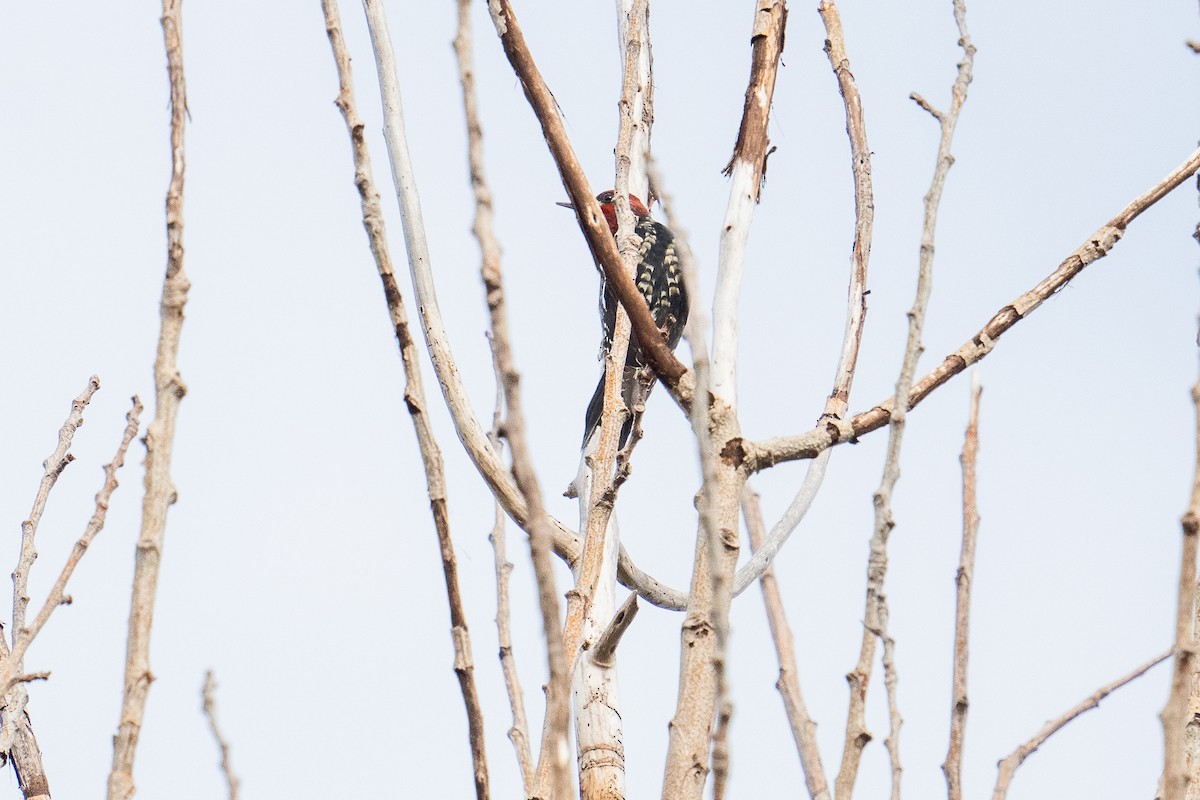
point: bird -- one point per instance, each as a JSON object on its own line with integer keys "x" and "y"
{"x": 659, "y": 279}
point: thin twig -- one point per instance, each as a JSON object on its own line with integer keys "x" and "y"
{"x": 1009, "y": 764}
{"x": 763, "y": 557}
{"x": 558, "y": 709}
{"x": 890, "y": 680}
{"x": 208, "y": 702}
{"x": 169, "y": 390}
{"x": 875, "y": 625}
{"x": 804, "y": 729}
{"x": 414, "y": 397}
{"x": 964, "y": 580}
{"x": 764, "y": 454}
{"x": 518, "y": 733}
{"x": 720, "y": 749}
{"x": 857, "y": 736}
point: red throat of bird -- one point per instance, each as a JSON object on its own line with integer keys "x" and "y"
{"x": 610, "y": 212}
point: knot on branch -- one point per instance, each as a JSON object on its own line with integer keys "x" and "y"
{"x": 734, "y": 453}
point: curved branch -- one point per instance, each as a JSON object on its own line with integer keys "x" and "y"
{"x": 856, "y": 305}
{"x": 760, "y": 562}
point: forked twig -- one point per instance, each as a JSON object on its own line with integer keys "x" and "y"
{"x": 14, "y": 663}
{"x": 18, "y": 739}
{"x": 53, "y": 467}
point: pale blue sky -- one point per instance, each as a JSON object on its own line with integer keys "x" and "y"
{"x": 300, "y": 561}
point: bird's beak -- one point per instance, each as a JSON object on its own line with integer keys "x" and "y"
{"x": 566, "y": 205}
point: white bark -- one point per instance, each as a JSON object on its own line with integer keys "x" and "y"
{"x": 731, "y": 266}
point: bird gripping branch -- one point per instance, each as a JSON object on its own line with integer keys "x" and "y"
{"x": 660, "y": 280}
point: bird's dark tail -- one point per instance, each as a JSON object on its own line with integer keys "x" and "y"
{"x": 631, "y": 393}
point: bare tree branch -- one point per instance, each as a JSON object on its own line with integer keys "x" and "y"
{"x": 208, "y": 702}
{"x": 804, "y": 729}
{"x": 770, "y": 24}
{"x": 710, "y": 535}
{"x": 705, "y": 626}
{"x": 856, "y": 304}
{"x": 591, "y": 603}
{"x": 964, "y": 580}
{"x": 720, "y": 749}
{"x": 875, "y": 624}
{"x": 746, "y": 170}
{"x": 606, "y": 645}
{"x": 169, "y": 390}
{"x": 764, "y": 454}
{"x": 414, "y": 397}
{"x": 1009, "y": 764}
{"x": 591, "y": 221}
{"x": 53, "y": 467}
{"x": 541, "y": 530}
{"x": 864, "y": 212}
{"x": 1179, "y": 711}
{"x": 18, "y": 739}
{"x": 14, "y": 662}
{"x": 518, "y": 733}
{"x": 473, "y": 436}
{"x": 890, "y": 679}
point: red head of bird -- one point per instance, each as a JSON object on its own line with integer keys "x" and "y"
{"x": 606, "y": 198}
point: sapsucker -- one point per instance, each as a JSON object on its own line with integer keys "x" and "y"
{"x": 660, "y": 280}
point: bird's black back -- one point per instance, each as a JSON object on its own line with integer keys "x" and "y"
{"x": 660, "y": 280}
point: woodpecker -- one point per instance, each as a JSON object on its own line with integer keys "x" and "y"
{"x": 660, "y": 280}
